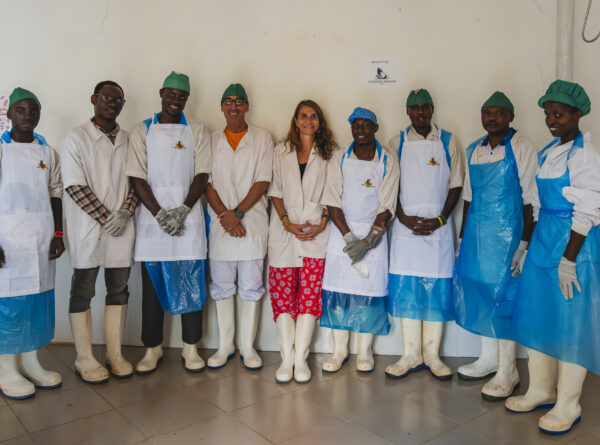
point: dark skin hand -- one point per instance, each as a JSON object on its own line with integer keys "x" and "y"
{"x": 426, "y": 226}
{"x": 57, "y": 247}
{"x": 231, "y": 223}
{"x": 563, "y": 122}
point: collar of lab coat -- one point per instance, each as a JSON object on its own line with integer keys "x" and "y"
{"x": 247, "y": 139}
{"x": 96, "y": 134}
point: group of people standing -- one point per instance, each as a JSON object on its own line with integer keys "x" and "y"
{"x": 527, "y": 269}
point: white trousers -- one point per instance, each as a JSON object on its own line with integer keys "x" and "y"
{"x": 249, "y": 277}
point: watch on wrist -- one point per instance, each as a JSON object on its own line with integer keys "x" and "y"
{"x": 238, "y": 213}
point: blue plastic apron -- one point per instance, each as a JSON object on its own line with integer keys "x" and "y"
{"x": 483, "y": 285}
{"x": 568, "y": 330}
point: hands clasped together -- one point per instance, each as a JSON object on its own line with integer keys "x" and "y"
{"x": 171, "y": 221}
{"x": 357, "y": 248}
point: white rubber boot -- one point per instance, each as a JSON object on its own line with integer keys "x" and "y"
{"x": 249, "y": 321}
{"x": 412, "y": 358}
{"x": 305, "y": 326}
{"x": 150, "y": 361}
{"x": 12, "y": 384}
{"x": 364, "y": 353}
{"x": 432, "y": 337}
{"x": 86, "y": 365}
{"x": 506, "y": 380}
{"x": 286, "y": 330}
{"x": 340, "y": 351}
{"x": 192, "y": 362}
{"x": 485, "y": 366}
{"x": 226, "y": 326}
{"x": 114, "y": 324}
{"x": 543, "y": 372}
{"x": 567, "y": 411}
{"x": 29, "y": 366}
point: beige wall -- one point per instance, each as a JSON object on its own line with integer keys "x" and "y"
{"x": 283, "y": 51}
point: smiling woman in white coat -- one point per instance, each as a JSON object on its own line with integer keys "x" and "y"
{"x": 298, "y": 234}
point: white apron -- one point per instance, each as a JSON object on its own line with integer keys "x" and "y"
{"x": 26, "y": 223}
{"x": 360, "y": 203}
{"x": 424, "y": 185}
{"x": 170, "y": 149}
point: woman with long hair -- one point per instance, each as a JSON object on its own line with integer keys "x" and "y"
{"x": 298, "y": 234}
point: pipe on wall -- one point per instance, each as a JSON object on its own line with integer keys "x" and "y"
{"x": 565, "y": 17}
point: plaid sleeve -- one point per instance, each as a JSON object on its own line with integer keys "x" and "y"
{"x": 88, "y": 202}
{"x": 131, "y": 202}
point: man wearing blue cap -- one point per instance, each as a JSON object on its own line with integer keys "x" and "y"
{"x": 30, "y": 237}
{"x": 499, "y": 192}
{"x": 169, "y": 162}
{"x": 242, "y": 157}
{"x": 360, "y": 194}
{"x": 422, "y": 248}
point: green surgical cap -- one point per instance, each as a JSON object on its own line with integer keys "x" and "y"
{"x": 20, "y": 94}
{"x": 235, "y": 89}
{"x": 568, "y": 93}
{"x": 417, "y": 97}
{"x": 499, "y": 99}
{"x": 178, "y": 81}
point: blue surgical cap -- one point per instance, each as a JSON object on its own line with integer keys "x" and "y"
{"x": 362, "y": 113}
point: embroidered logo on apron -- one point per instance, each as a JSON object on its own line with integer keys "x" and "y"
{"x": 434, "y": 162}
{"x": 179, "y": 145}
{"x": 42, "y": 165}
{"x": 368, "y": 184}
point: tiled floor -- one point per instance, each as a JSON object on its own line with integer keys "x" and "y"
{"x": 235, "y": 406}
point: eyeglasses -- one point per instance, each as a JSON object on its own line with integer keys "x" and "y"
{"x": 239, "y": 101}
{"x": 110, "y": 99}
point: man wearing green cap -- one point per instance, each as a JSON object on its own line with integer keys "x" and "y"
{"x": 242, "y": 161}
{"x": 98, "y": 210}
{"x": 169, "y": 162}
{"x": 30, "y": 238}
{"x": 499, "y": 192}
{"x": 557, "y": 309}
{"x": 422, "y": 250}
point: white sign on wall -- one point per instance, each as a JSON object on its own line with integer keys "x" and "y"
{"x": 4, "y": 122}
{"x": 380, "y": 72}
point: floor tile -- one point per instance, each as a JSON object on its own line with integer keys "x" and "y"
{"x": 23, "y": 440}
{"x": 405, "y": 422}
{"x": 584, "y": 438}
{"x": 520, "y": 428}
{"x": 10, "y": 427}
{"x": 466, "y": 436}
{"x": 173, "y": 411}
{"x": 139, "y": 388}
{"x": 108, "y": 428}
{"x": 56, "y": 409}
{"x": 223, "y": 429}
{"x": 284, "y": 417}
{"x": 337, "y": 432}
{"x": 452, "y": 401}
{"x": 345, "y": 396}
{"x": 2, "y": 401}
{"x": 238, "y": 391}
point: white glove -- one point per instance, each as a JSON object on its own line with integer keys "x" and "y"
{"x": 116, "y": 222}
{"x": 518, "y": 259}
{"x": 174, "y": 221}
{"x": 360, "y": 268}
{"x": 567, "y": 275}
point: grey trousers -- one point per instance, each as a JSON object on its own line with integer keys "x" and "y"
{"x": 83, "y": 287}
